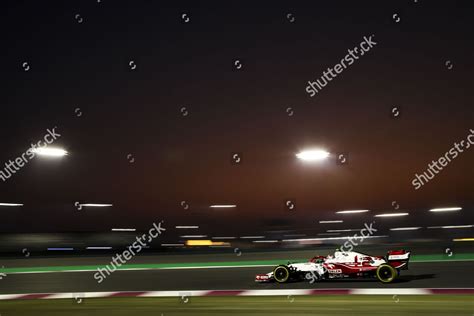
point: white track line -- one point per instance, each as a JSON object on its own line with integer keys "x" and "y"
{"x": 390, "y": 291}
{"x": 275, "y": 292}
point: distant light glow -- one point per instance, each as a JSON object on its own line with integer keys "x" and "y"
{"x": 50, "y": 151}
{"x": 205, "y": 242}
{"x": 98, "y": 248}
{"x": 96, "y": 205}
{"x": 341, "y": 230}
{"x": 223, "y": 206}
{"x": 11, "y": 204}
{"x": 270, "y": 241}
{"x": 452, "y": 226}
{"x": 458, "y": 226}
{"x": 60, "y": 249}
{"x": 405, "y": 228}
{"x": 463, "y": 239}
{"x": 124, "y": 229}
{"x": 331, "y": 222}
{"x": 186, "y": 227}
{"x": 391, "y": 214}
{"x": 252, "y": 237}
{"x": 446, "y": 209}
{"x": 224, "y": 237}
{"x": 172, "y": 245}
{"x": 313, "y": 155}
{"x": 352, "y": 211}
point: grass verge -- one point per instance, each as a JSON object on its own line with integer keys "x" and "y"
{"x": 197, "y": 265}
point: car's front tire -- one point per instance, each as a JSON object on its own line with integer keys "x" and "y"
{"x": 281, "y": 274}
{"x": 386, "y": 273}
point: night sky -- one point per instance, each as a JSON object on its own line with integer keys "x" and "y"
{"x": 147, "y": 138}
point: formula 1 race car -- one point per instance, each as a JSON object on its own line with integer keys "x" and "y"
{"x": 342, "y": 264}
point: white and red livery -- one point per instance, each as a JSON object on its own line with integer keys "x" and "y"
{"x": 342, "y": 264}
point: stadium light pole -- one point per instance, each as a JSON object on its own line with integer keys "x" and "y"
{"x": 312, "y": 155}
{"x": 50, "y": 152}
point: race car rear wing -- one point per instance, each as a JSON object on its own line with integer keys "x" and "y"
{"x": 398, "y": 259}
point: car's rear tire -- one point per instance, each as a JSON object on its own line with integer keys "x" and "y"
{"x": 386, "y": 273}
{"x": 281, "y": 274}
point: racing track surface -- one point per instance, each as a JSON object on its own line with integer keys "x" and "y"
{"x": 420, "y": 275}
